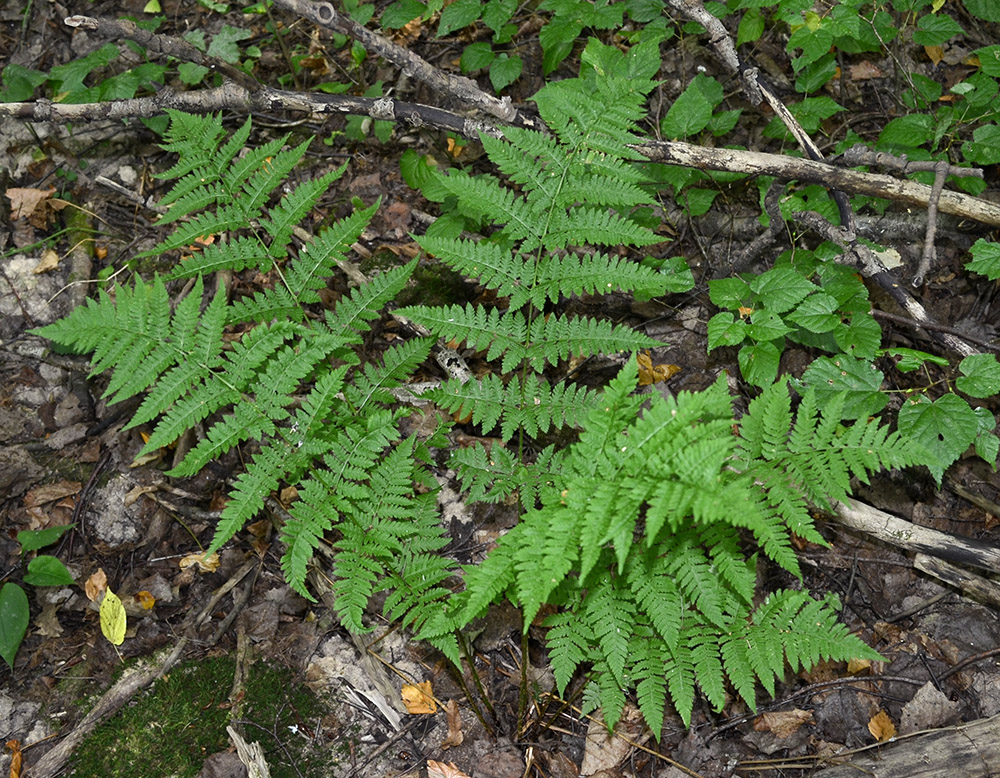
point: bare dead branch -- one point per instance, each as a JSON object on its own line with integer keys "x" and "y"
{"x": 463, "y": 88}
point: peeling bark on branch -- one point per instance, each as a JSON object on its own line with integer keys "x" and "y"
{"x": 796, "y": 169}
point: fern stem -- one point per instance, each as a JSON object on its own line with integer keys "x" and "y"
{"x": 460, "y": 678}
{"x": 522, "y": 697}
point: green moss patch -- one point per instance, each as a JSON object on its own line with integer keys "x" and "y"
{"x": 181, "y": 720}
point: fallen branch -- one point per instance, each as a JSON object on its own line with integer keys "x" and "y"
{"x": 912, "y": 537}
{"x": 795, "y": 169}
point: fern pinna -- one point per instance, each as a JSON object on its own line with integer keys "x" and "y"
{"x": 642, "y": 545}
{"x": 260, "y": 369}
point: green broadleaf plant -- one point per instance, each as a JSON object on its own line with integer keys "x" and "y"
{"x": 42, "y": 570}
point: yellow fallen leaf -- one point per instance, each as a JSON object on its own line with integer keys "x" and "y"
{"x": 881, "y": 727}
{"x": 419, "y": 698}
{"x": 113, "y": 618}
{"x": 205, "y": 564}
{"x": 653, "y": 374}
{"x": 145, "y": 599}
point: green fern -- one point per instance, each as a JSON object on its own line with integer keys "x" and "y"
{"x": 643, "y": 545}
{"x": 566, "y": 195}
{"x": 643, "y": 534}
{"x": 285, "y": 382}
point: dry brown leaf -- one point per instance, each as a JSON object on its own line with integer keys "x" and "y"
{"x": 864, "y": 70}
{"x": 47, "y": 624}
{"x": 145, "y": 599}
{"x": 858, "y": 666}
{"x": 30, "y": 204}
{"x": 205, "y": 564}
{"x": 881, "y": 727}
{"x": 654, "y": 374}
{"x": 94, "y": 586}
{"x": 419, "y": 698}
{"x": 934, "y": 53}
{"x": 50, "y": 493}
{"x": 287, "y": 496}
{"x": 49, "y": 261}
{"x": 444, "y": 770}
{"x": 782, "y": 723}
{"x": 454, "y": 736}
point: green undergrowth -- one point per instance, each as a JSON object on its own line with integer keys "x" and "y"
{"x": 642, "y": 518}
{"x": 172, "y": 727}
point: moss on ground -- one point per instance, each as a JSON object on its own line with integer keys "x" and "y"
{"x": 171, "y": 729}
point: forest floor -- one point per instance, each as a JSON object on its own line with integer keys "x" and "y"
{"x": 280, "y": 668}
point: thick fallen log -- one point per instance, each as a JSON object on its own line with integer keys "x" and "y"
{"x": 969, "y": 750}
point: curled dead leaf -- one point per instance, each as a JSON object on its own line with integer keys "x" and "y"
{"x": 49, "y": 261}
{"x": 95, "y": 585}
{"x": 444, "y": 770}
{"x": 14, "y": 746}
{"x": 454, "y": 736}
{"x": 654, "y": 374}
{"x": 782, "y": 723}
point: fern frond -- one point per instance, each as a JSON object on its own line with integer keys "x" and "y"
{"x": 293, "y": 207}
{"x": 650, "y": 657}
{"x": 531, "y": 160}
{"x": 484, "y": 197}
{"x": 611, "y": 617}
{"x": 594, "y": 225}
{"x": 546, "y": 553}
{"x": 495, "y": 267}
{"x": 704, "y": 647}
{"x": 372, "y": 384}
{"x": 498, "y": 334}
{"x": 557, "y": 337}
{"x": 603, "y": 692}
{"x": 229, "y": 216}
{"x": 492, "y": 474}
{"x": 656, "y": 595}
{"x": 316, "y": 262}
{"x": 270, "y": 466}
{"x": 568, "y": 641}
{"x": 196, "y": 139}
{"x": 530, "y": 405}
{"x": 262, "y": 171}
{"x": 679, "y": 672}
{"x": 575, "y": 274}
{"x": 365, "y": 302}
{"x": 234, "y": 254}
{"x": 818, "y": 455}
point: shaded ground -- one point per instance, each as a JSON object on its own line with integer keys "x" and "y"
{"x": 64, "y": 459}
